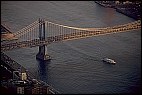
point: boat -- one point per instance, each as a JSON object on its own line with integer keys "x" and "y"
{"x": 108, "y": 60}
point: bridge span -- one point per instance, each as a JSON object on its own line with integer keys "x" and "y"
{"x": 30, "y": 36}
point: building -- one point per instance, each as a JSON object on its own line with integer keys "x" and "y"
{"x": 24, "y": 76}
{"x": 20, "y": 90}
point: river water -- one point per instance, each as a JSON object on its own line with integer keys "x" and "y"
{"x": 76, "y": 67}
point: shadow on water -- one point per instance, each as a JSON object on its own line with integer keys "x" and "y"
{"x": 43, "y": 70}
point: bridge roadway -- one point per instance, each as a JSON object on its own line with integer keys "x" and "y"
{"x": 77, "y": 35}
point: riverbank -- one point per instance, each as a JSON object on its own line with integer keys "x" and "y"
{"x": 128, "y": 13}
{"x": 130, "y": 9}
{"x": 16, "y": 79}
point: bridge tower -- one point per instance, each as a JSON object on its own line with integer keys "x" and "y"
{"x": 42, "y": 54}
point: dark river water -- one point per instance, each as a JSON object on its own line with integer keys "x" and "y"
{"x": 76, "y": 67}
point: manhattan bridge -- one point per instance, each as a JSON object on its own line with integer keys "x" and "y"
{"x": 43, "y": 32}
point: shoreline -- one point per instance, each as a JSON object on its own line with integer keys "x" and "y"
{"x": 121, "y": 10}
{"x": 8, "y": 66}
{"x": 126, "y": 13}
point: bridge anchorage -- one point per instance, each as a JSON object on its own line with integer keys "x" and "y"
{"x": 42, "y": 53}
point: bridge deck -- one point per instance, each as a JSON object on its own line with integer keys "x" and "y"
{"x": 83, "y": 33}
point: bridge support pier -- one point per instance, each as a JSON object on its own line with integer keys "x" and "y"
{"x": 42, "y": 54}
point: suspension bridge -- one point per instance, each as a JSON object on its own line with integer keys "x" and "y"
{"x": 42, "y": 32}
